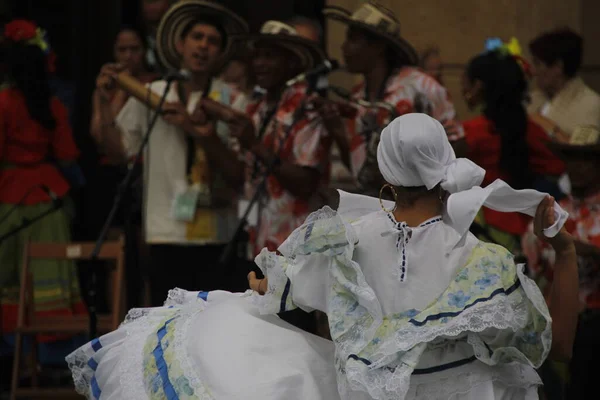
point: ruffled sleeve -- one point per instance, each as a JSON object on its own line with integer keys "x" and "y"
{"x": 490, "y": 301}
{"x": 299, "y": 274}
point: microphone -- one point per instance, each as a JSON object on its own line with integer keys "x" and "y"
{"x": 325, "y": 67}
{"x": 181, "y": 76}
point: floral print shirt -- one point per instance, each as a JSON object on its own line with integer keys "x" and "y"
{"x": 408, "y": 90}
{"x": 584, "y": 225}
{"x": 307, "y": 145}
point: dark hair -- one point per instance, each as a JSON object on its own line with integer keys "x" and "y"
{"x": 504, "y": 92}
{"x": 28, "y": 68}
{"x": 205, "y": 20}
{"x": 391, "y": 55}
{"x": 560, "y": 45}
{"x": 131, "y": 28}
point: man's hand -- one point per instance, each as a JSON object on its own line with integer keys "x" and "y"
{"x": 105, "y": 82}
{"x": 240, "y": 125}
{"x": 177, "y": 115}
{"x": 544, "y": 218}
{"x": 330, "y": 113}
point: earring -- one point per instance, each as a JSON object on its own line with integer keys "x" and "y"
{"x": 441, "y": 195}
{"x": 394, "y": 195}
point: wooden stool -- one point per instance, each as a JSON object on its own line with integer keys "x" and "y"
{"x": 29, "y": 325}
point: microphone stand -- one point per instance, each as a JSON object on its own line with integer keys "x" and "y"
{"x": 228, "y": 256}
{"x": 122, "y": 188}
{"x": 56, "y": 205}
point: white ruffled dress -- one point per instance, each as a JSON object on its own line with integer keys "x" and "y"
{"x": 412, "y": 315}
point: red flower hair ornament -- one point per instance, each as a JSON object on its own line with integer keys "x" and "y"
{"x": 28, "y": 33}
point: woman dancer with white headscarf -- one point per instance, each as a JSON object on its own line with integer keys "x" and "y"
{"x": 418, "y": 307}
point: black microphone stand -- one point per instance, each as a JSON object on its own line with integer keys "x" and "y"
{"x": 228, "y": 256}
{"x": 122, "y": 188}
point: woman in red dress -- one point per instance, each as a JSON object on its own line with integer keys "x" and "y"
{"x": 35, "y": 138}
{"x": 503, "y": 141}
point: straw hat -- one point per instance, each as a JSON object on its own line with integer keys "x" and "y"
{"x": 380, "y": 21}
{"x": 283, "y": 35}
{"x": 584, "y": 140}
{"x": 182, "y": 13}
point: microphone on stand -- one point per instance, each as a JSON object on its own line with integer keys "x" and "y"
{"x": 325, "y": 67}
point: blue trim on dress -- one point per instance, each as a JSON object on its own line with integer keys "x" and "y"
{"x": 443, "y": 367}
{"x": 422, "y": 371}
{"x": 96, "y": 345}
{"x": 161, "y": 364}
{"x": 203, "y": 296}
{"x": 93, "y": 364}
{"x": 96, "y": 392}
{"x": 496, "y": 292}
{"x": 309, "y": 229}
{"x": 284, "y": 296}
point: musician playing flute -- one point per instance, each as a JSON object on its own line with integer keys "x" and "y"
{"x": 189, "y": 210}
{"x": 387, "y": 62}
{"x": 270, "y": 130}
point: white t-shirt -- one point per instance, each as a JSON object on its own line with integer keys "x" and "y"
{"x": 165, "y": 164}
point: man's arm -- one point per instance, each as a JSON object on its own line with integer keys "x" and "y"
{"x": 301, "y": 181}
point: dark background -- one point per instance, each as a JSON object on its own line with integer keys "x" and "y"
{"x": 82, "y": 31}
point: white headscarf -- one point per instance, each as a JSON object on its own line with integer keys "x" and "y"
{"x": 414, "y": 151}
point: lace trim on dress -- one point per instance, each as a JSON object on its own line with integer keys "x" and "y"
{"x": 139, "y": 327}
{"x": 502, "y": 313}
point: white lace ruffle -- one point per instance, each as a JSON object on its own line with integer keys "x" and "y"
{"x": 129, "y": 342}
{"x": 273, "y": 267}
{"x": 461, "y": 380}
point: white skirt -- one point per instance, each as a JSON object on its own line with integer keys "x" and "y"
{"x": 218, "y": 346}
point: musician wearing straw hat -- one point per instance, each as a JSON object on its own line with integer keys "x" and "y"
{"x": 189, "y": 214}
{"x": 270, "y": 130}
{"x": 375, "y": 49}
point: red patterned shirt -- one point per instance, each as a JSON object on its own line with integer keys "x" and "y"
{"x": 584, "y": 225}
{"x": 408, "y": 90}
{"x": 307, "y": 145}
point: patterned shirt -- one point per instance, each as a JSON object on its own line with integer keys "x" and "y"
{"x": 408, "y": 90}
{"x": 584, "y": 225}
{"x": 307, "y": 145}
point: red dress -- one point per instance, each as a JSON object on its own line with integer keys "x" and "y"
{"x": 26, "y": 148}
{"x": 484, "y": 147}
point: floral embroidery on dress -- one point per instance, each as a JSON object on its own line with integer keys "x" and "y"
{"x": 164, "y": 376}
{"x": 378, "y": 353}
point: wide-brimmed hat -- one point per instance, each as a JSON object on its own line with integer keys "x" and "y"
{"x": 182, "y": 13}
{"x": 584, "y": 140}
{"x": 379, "y": 21}
{"x": 280, "y": 34}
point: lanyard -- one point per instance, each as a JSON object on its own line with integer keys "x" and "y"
{"x": 191, "y": 145}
